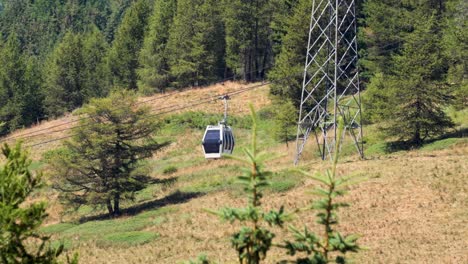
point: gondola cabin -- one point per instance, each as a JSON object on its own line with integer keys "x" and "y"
{"x": 218, "y": 140}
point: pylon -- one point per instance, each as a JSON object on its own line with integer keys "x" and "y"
{"x": 331, "y": 88}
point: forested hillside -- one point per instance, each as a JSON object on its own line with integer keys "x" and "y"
{"x": 56, "y": 55}
{"x": 125, "y": 177}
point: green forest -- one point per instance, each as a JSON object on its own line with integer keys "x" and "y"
{"x": 57, "y": 55}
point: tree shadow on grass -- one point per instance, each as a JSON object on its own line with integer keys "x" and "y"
{"x": 166, "y": 181}
{"x": 396, "y": 146}
{"x": 177, "y": 197}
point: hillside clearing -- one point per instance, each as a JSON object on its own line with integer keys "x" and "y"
{"x": 412, "y": 207}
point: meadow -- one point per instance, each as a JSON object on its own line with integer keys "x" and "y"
{"x": 412, "y": 207}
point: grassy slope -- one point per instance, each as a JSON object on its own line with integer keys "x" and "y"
{"x": 412, "y": 209}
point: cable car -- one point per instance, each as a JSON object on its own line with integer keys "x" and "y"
{"x": 218, "y": 139}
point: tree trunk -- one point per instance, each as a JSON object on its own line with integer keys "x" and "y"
{"x": 117, "y": 205}
{"x": 417, "y": 131}
{"x": 417, "y": 136}
{"x": 109, "y": 208}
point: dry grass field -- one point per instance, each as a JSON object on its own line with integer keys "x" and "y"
{"x": 412, "y": 207}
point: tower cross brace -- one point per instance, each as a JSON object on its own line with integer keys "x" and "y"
{"x": 331, "y": 86}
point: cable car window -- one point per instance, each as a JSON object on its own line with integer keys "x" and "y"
{"x": 211, "y": 142}
{"x": 229, "y": 136}
{"x": 233, "y": 140}
{"x": 225, "y": 141}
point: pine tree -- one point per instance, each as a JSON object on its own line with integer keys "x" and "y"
{"x": 377, "y": 97}
{"x": 253, "y": 241}
{"x": 76, "y": 71}
{"x": 64, "y": 74}
{"x": 101, "y": 165}
{"x": 287, "y": 73}
{"x": 20, "y": 218}
{"x": 331, "y": 246}
{"x": 196, "y": 43}
{"x": 39, "y": 24}
{"x": 96, "y": 75}
{"x": 117, "y": 12}
{"x": 31, "y": 98}
{"x": 154, "y": 71}
{"x": 285, "y": 121}
{"x": 386, "y": 24}
{"x": 248, "y": 45}
{"x": 455, "y": 45}
{"x": 282, "y": 12}
{"x": 12, "y": 70}
{"x": 419, "y": 86}
{"x": 19, "y": 87}
{"x": 123, "y": 56}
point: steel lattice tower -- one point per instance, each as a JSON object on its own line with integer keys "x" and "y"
{"x": 330, "y": 88}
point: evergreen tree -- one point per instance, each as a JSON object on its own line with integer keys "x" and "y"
{"x": 123, "y": 56}
{"x": 39, "y": 24}
{"x": 388, "y": 37}
{"x": 118, "y": 9}
{"x": 20, "y": 218}
{"x": 30, "y": 98}
{"x": 96, "y": 76}
{"x": 287, "y": 73}
{"x": 248, "y": 45}
{"x": 377, "y": 97}
{"x": 455, "y": 45}
{"x": 64, "y": 74}
{"x": 100, "y": 165}
{"x": 253, "y": 241}
{"x": 196, "y": 43}
{"x": 418, "y": 86}
{"x": 209, "y": 39}
{"x": 78, "y": 15}
{"x": 19, "y": 87}
{"x": 332, "y": 246}
{"x": 12, "y": 70}
{"x": 76, "y": 71}
{"x": 182, "y": 64}
{"x": 285, "y": 121}
{"x": 386, "y": 24}
{"x": 282, "y": 11}
{"x": 154, "y": 71}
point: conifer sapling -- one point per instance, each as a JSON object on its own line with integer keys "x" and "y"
{"x": 331, "y": 246}
{"x": 254, "y": 239}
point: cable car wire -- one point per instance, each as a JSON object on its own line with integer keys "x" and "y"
{"x": 36, "y": 132}
{"x": 197, "y": 103}
{"x": 33, "y": 133}
{"x": 153, "y": 110}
